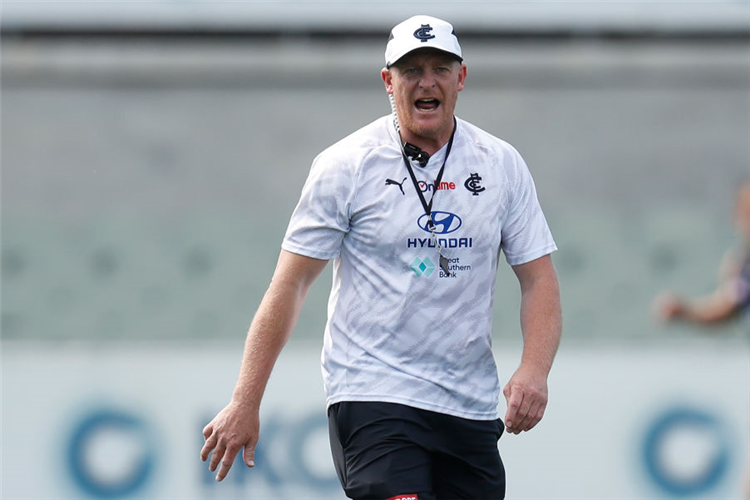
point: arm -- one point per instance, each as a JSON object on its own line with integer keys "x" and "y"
{"x": 715, "y": 308}
{"x": 541, "y": 325}
{"x": 719, "y": 306}
{"x": 238, "y": 424}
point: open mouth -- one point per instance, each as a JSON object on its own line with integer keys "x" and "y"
{"x": 427, "y": 104}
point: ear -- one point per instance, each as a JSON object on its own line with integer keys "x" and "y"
{"x": 462, "y": 77}
{"x": 387, "y": 77}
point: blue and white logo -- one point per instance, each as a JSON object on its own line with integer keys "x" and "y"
{"x": 445, "y": 222}
{"x": 111, "y": 454}
{"x": 423, "y": 33}
{"x": 687, "y": 451}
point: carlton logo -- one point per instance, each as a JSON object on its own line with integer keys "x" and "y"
{"x": 445, "y": 222}
{"x": 423, "y": 33}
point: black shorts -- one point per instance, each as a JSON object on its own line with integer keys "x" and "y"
{"x": 391, "y": 451}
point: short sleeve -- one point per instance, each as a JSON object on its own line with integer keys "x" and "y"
{"x": 321, "y": 219}
{"x": 525, "y": 233}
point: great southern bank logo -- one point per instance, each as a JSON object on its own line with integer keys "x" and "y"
{"x": 445, "y": 222}
{"x": 423, "y": 267}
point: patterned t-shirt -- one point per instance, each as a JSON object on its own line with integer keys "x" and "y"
{"x": 398, "y": 329}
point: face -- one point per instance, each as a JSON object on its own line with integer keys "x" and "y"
{"x": 425, "y": 86}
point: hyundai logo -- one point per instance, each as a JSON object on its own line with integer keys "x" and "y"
{"x": 445, "y": 222}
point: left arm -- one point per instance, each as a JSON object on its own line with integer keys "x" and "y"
{"x": 541, "y": 325}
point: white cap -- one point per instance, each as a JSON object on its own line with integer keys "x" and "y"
{"x": 421, "y": 32}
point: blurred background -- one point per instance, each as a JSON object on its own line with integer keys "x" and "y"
{"x": 152, "y": 153}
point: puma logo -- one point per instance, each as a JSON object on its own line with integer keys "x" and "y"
{"x": 391, "y": 182}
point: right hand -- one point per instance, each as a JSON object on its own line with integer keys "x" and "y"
{"x": 234, "y": 427}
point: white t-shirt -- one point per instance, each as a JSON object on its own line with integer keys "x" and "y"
{"x": 398, "y": 330}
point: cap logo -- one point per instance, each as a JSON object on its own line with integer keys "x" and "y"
{"x": 423, "y": 33}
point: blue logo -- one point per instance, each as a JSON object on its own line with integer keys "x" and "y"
{"x": 423, "y": 267}
{"x": 423, "y": 33}
{"x": 445, "y": 222}
{"x": 87, "y": 436}
{"x": 659, "y": 441}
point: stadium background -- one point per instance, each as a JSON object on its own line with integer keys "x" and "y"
{"x": 153, "y": 151}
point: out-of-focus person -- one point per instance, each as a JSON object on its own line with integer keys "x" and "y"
{"x": 732, "y": 296}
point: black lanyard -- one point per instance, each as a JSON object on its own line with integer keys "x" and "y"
{"x": 428, "y": 206}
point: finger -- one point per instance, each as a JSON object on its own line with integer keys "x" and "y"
{"x": 529, "y": 420}
{"x": 522, "y": 417}
{"x": 208, "y": 430}
{"x": 226, "y": 463}
{"x": 216, "y": 456}
{"x": 209, "y": 445}
{"x": 539, "y": 415}
{"x": 514, "y": 403}
{"x": 249, "y": 455}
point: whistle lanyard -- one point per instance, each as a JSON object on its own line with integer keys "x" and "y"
{"x": 428, "y": 206}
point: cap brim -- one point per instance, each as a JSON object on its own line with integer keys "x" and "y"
{"x": 400, "y": 56}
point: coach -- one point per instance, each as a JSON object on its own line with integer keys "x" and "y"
{"x": 414, "y": 210}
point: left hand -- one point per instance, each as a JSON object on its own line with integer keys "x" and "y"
{"x": 526, "y": 394}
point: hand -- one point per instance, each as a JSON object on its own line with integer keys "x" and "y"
{"x": 235, "y": 427}
{"x": 526, "y": 394}
{"x": 668, "y": 306}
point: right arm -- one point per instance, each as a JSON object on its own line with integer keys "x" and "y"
{"x": 238, "y": 424}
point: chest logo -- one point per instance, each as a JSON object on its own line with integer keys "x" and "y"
{"x": 445, "y": 222}
{"x": 474, "y": 185}
{"x": 423, "y": 267}
{"x": 391, "y": 182}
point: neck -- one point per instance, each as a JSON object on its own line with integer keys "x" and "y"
{"x": 430, "y": 144}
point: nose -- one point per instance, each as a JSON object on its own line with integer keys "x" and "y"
{"x": 427, "y": 81}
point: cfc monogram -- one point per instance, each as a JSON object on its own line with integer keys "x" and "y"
{"x": 423, "y": 33}
{"x": 473, "y": 184}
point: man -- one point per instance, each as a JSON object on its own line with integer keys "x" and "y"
{"x": 414, "y": 209}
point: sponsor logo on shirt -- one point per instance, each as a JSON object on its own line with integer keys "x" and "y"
{"x": 445, "y": 222}
{"x": 454, "y": 267}
{"x": 426, "y": 267}
{"x": 444, "y": 242}
{"x": 391, "y": 182}
{"x": 404, "y": 497}
{"x": 426, "y": 187}
{"x": 423, "y": 267}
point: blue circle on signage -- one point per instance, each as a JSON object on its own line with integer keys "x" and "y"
{"x": 656, "y": 438}
{"x": 86, "y": 431}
